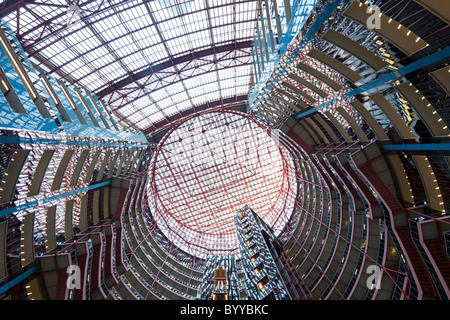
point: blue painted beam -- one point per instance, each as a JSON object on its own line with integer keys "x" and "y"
{"x": 19, "y": 140}
{"x": 23, "y": 140}
{"x": 78, "y": 191}
{"x": 52, "y": 198}
{"x": 104, "y": 144}
{"x": 21, "y": 207}
{"x": 420, "y": 146}
{"x": 17, "y": 280}
{"x": 424, "y": 62}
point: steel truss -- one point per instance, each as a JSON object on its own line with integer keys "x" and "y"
{"x": 206, "y": 169}
{"x": 151, "y": 60}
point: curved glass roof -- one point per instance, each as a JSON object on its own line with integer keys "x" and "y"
{"x": 151, "y": 60}
{"x": 207, "y": 169}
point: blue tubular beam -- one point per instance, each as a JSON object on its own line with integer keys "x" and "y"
{"x": 424, "y": 62}
{"x": 17, "y": 280}
{"x": 52, "y": 198}
{"x": 420, "y": 146}
{"x": 104, "y": 144}
{"x": 21, "y": 207}
{"x": 19, "y": 140}
{"x": 71, "y": 193}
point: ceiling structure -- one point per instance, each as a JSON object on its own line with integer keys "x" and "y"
{"x": 152, "y": 61}
{"x": 157, "y": 64}
{"x": 211, "y": 166}
{"x": 368, "y": 193}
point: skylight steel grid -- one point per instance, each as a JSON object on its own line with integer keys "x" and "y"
{"x": 115, "y": 47}
{"x": 208, "y": 168}
{"x": 202, "y": 88}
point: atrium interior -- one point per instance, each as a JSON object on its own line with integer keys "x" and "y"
{"x": 225, "y": 150}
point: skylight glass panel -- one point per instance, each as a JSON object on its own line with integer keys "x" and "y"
{"x": 134, "y": 62}
{"x": 117, "y": 39}
{"x": 147, "y": 37}
{"x": 108, "y": 32}
{"x": 180, "y": 98}
{"x": 137, "y": 119}
{"x": 99, "y": 55}
{"x": 158, "y": 95}
{"x": 135, "y": 18}
{"x": 228, "y": 92}
{"x": 178, "y": 46}
{"x": 165, "y": 103}
{"x": 175, "y": 88}
{"x": 204, "y": 203}
{"x": 161, "y": 10}
{"x": 172, "y": 28}
{"x": 195, "y": 22}
{"x": 171, "y": 110}
{"x": 201, "y": 39}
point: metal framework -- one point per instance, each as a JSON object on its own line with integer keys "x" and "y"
{"x": 150, "y": 60}
{"x": 208, "y": 168}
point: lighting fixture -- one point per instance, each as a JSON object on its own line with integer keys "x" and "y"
{"x": 5, "y": 85}
{"x": 82, "y": 101}
{"x": 49, "y": 90}
{"x": 26, "y": 81}
{"x": 68, "y": 97}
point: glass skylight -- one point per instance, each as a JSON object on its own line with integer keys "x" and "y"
{"x": 207, "y": 169}
{"x": 116, "y": 40}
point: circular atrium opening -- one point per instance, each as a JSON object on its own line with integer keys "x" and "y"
{"x": 211, "y": 166}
